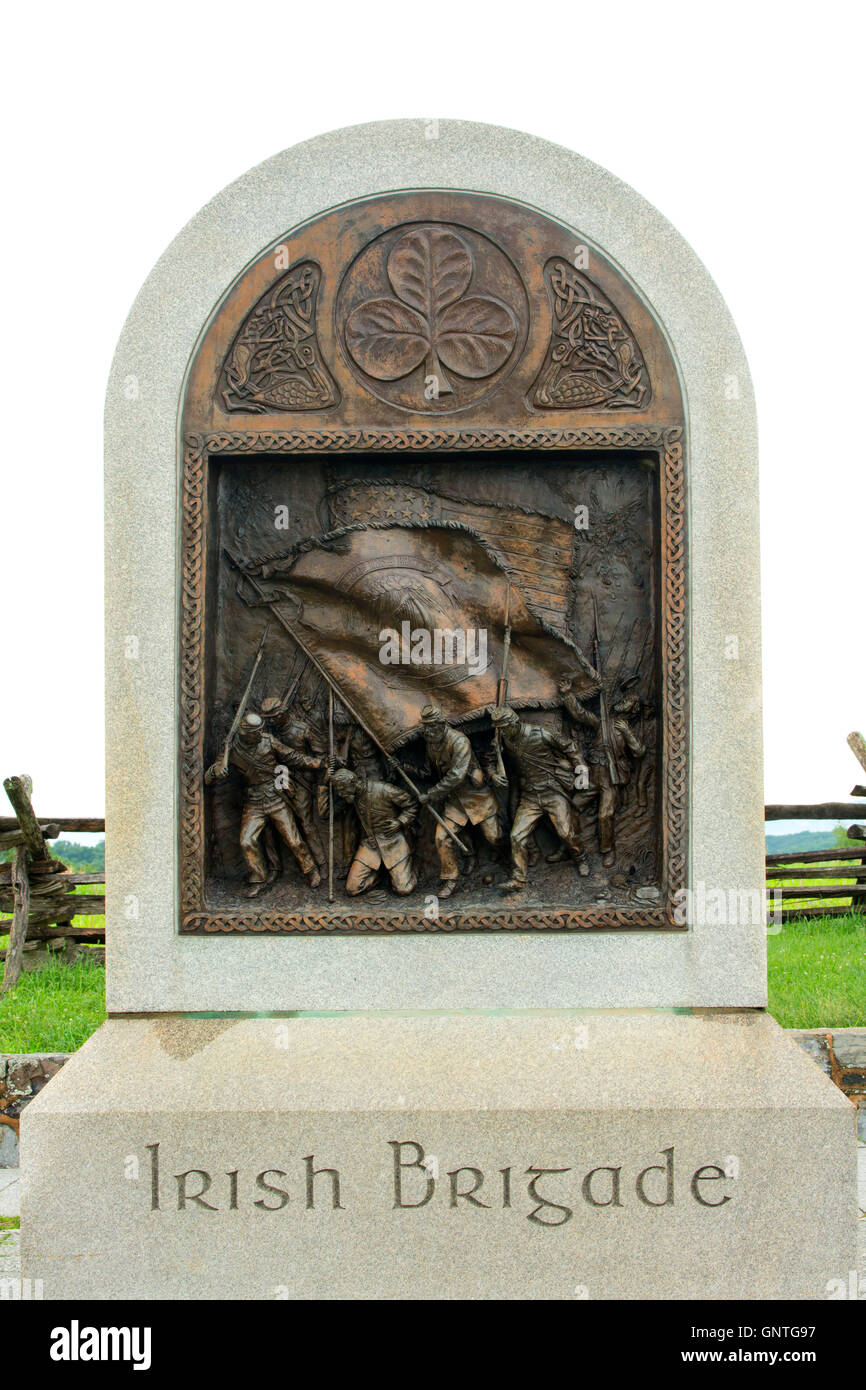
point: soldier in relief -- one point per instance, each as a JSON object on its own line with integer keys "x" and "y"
{"x": 387, "y": 816}
{"x": 545, "y": 766}
{"x": 613, "y": 742}
{"x": 261, "y": 760}
{"x": 461, "y": 793}
{"x": 295, "y": 729}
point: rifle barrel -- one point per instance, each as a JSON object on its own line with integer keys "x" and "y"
{"x": 239, "y": 713}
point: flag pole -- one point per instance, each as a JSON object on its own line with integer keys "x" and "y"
{"x": 292, "y": 690}
{"x": 330, "y": 796}
{"x": 604, "y": 713}
{"x": 502, "y": 684}
{"x": 284, "y": 622}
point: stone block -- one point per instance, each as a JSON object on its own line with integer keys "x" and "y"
{"x": 556, "y": 1155}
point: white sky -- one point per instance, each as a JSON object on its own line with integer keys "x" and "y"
{"x": 741, "y": 122}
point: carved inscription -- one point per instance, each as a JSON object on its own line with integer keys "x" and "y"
{"x": 546, "y": 1194}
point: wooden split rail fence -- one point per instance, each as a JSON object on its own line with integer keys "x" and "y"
{"x": 35, "y": 887}
{"x": 809, "y": 873}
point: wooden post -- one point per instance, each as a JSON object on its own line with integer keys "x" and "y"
{"x": 857, "y": 744}
{"x": 89, "y": 823}
{"x": 21, "y": 890}
{"x": 10, "y": 839}
{"x": 51, "y": 891}
{"x": 826, "y": 810}
{"x": 19, "y": 790}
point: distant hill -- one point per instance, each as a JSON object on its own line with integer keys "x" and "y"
{"x": 831, "y": 838}
{"x": 83, "y": 859}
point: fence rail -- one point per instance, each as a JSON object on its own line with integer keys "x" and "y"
{"x": 35, "y": 887}
{"x": 819, "y": 866}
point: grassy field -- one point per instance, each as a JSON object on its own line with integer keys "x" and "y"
{"x": 816, "y": 969}
{"x": 55, "y": 1009}
{"x": 816, "y": 973}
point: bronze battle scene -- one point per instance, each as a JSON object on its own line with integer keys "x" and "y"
{"x": 433, "y": 659}
{"x": 453, "y": 695}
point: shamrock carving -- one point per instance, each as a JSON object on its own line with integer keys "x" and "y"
{"x": 432, "y": 319}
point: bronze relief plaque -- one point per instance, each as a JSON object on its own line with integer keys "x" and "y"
{"x": 433, "y": 670}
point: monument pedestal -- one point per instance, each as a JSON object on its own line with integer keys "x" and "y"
{"x": 538, "y": 1155}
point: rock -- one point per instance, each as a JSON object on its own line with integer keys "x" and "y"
{"x": 647, "y": 894}
{"x": 8, "y": 1147}
{"x": 849, "y": 1047}
{"x": 816, "y": 1046}
{"x": 24, "y": 1076}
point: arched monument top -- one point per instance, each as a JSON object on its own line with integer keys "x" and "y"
{"x": 428, "y": 289}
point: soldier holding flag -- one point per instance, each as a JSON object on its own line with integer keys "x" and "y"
{"x": 293, "y": 730}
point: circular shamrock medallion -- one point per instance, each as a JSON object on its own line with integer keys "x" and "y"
{"x": 432, "y": 317}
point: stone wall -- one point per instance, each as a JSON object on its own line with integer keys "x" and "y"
{"x": 841, "y": 1053}
{"x": 21, "y": 1078}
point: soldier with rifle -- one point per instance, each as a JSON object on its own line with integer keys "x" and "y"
{"x": 640, "y": 714}
{"x": 545, "y": 765}
{"x": 285, "y": 720}
{"x": 386, "y": 814}
{"x": 612, "y": 742}
{"x": 353, "y": 748}
{"x": 261, "y": 598}
{"x": 461, "y": 790}
{"x": 612, "y": 739}
{"x": 259, "y": 757}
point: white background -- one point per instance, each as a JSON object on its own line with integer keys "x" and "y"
{"x": 742, "y": 123}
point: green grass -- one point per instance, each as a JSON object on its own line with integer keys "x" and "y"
{"x": 54, "y": 1009}
{"x": 816, "y": 968}
{"x": 10, "y": 1223}
{"x": 816, "y": 971}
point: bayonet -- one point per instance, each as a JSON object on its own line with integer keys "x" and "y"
{"x": 241, "y": 709}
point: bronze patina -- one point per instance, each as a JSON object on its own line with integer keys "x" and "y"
{"x": 433, "y": 611}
